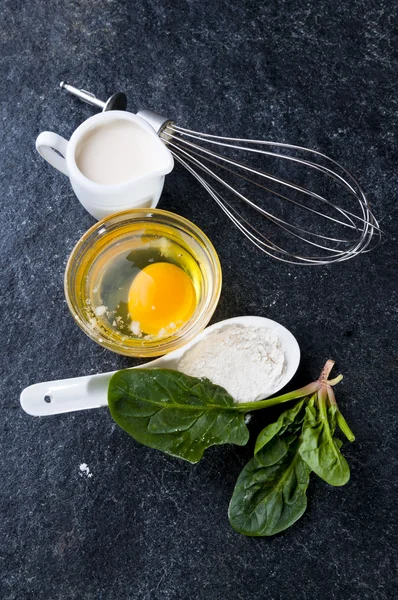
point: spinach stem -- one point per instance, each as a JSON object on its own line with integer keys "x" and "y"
{"x": 331, "y": 396}
{"x": 326, "y": 370}
{"x": 335, "y": 380}
{"x": 307, "y": 390}
{"x": 342, "y": 423}
{"x": 300, "y": 393}
{"x": 322, "y": 395}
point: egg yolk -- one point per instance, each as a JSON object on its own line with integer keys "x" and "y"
{"x": 161, "y": 297}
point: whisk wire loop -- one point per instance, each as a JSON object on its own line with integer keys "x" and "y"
{"x": 271, "y": 217}
{"x": 186, "y": 147}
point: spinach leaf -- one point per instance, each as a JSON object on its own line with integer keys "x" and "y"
{"x": 273, "y": 451}
{"x": 320, "y": 450}
{"x": 175, "y": 413}
{"x": 284, "y": 423}
{"x": 269, "y": 499}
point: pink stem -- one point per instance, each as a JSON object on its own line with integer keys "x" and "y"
{"x": 331, "y": 396}
{"x": 326, "y": 370}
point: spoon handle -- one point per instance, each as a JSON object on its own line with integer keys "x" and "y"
{"x": 77, "y": 393}
{"x": 66, "y": 395}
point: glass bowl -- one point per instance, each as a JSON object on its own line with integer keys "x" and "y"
{"x": 116, "y": 234}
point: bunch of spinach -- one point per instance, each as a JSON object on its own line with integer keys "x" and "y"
{"x": 270, "y": 493}
{"x": 182, "y": 416}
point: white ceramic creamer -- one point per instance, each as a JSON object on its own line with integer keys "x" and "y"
{"x": 115, "y": 161}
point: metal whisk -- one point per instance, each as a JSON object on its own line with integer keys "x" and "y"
{"x": 292, "y": 192}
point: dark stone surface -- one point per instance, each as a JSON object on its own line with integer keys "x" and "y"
{"x": 145, "y": 526}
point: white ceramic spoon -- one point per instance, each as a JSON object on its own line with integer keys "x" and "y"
{"x": 91, "y": 391}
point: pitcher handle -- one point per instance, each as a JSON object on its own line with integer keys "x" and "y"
{"x": 52, "y": 147}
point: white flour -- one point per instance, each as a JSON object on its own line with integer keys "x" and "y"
{"x": 247, "y": 361}
{"x": 84, "y": 469}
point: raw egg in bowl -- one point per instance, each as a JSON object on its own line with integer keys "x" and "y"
{"x": 143, "y": 282}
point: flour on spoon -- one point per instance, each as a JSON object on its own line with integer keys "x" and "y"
{"x": 247, "y": 361}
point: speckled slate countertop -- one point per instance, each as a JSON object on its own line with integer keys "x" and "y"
{"x": 146, "y": 526}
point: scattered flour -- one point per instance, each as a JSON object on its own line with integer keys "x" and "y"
{"x": 247, "y": 361}
{"x": 84, "y": 470}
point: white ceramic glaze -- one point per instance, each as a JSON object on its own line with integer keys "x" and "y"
{"x": 98, "y": 199}
{"x": 80, "y": 393}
